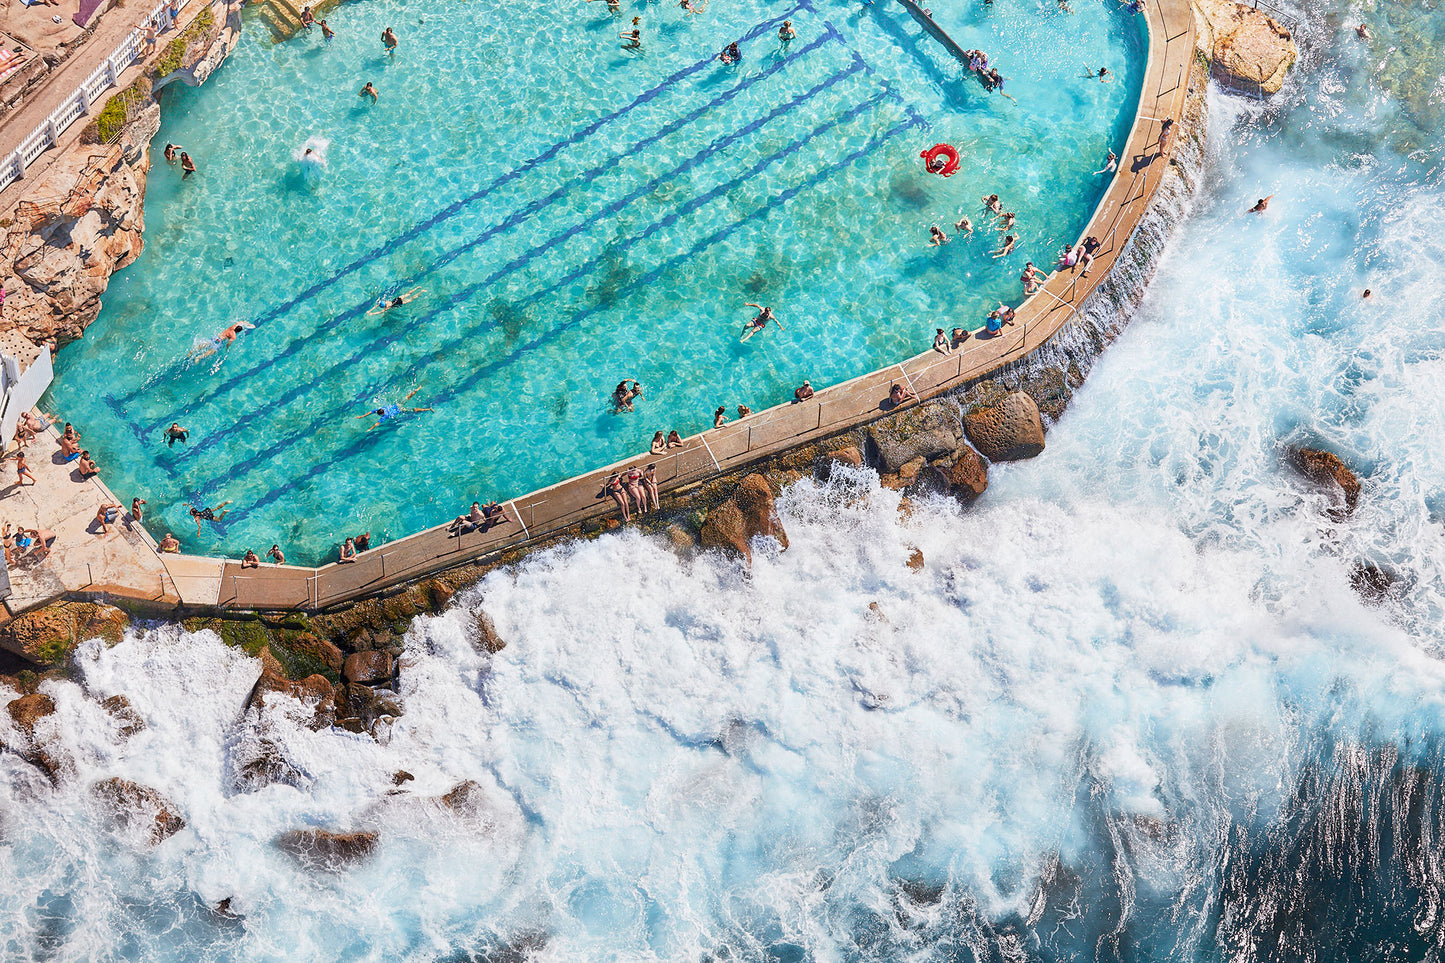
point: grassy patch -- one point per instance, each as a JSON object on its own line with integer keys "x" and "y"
{"x": 173, "y": 58}
{"x": 116, "y": 113}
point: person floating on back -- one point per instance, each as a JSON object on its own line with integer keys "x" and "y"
{"x": 760, "y": 322}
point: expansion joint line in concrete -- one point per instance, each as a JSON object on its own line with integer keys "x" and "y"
{"x": 703, "y": 439}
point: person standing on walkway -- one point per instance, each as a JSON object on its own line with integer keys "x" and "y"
{"x": 22, "y": 470}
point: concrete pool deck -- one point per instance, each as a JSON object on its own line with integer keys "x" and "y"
{"x": 209, "y": 583}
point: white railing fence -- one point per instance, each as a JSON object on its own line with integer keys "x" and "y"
{"x": 77, "y": 105}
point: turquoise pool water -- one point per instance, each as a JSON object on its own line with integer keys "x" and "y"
{"x": 572, "y": 214}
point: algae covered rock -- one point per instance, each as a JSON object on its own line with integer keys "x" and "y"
{"x": 1007, "y": 431}
{"x": 926, "y": 431}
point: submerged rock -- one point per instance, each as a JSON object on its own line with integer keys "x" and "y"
{"x": 1007, "y": 431}
{"x": 1372, "y": 583}
{"x": 322, "y": 849}
{"x": 314, "y": 690}
{"x": 261, "y": 762}
{"x": 127, "y": 719}
{"x": 134, "y": 805}
{"x": 487, "y": 637}
{"x": 465, "y": 797}
{"x": 1248, "y": 49}
{"x": 915, "y": 560}
{"x": 1324, "y": 468}
{"x": 750, "y": 512}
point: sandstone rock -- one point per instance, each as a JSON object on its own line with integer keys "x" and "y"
{"x": 848, "y": 455}
{"x": 314, "y": 690}
{"x": 1007, "y": 431}
{"x": 30, "y": 709}
{"x": 926, "y": 431}
{"x": 915, "y": 560}
{"x": 486, "y": 634}
{"x": 322, "y": 849}
{"x": 262, "y": 763}
{"x": 1249, "y": 50}
{"x": 367, "y": 667}
{"x": 128, "y": 720}
{"x": 441, "y": 594}
{"x": 681, "y": 539}
{"x": 322, "y": 650}
{"x": 465, "y": 797}
{"x": 139, "y": 806}
{"x": 401, "y": 776}
{"x": 1323, "y": 468}
{"x": 968, "y": 478}
{"x": 750, "y": 512}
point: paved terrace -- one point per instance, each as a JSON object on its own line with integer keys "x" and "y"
{"x": 215, "y": 582}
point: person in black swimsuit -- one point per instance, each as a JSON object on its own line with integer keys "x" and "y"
{"x": 208, "y": 514}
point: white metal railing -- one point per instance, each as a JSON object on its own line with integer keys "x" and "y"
{"x": 77, "y": 105}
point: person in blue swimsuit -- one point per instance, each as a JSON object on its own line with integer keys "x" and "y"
{"x": 388, "y": 412}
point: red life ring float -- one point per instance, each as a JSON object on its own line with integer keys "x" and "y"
{"x": 945, "y": 151}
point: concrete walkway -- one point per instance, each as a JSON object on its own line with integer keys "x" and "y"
{"x": 832, "y": 410}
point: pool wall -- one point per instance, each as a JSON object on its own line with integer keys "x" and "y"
{"x": 1047, "y": 351}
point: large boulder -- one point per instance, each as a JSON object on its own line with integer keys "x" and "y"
{"x": 367, "y": 668}
{"x": 968, "y": 477}
{"x": 750, "y": 512}
{"x": 1248, "y": 50}
{"x": 1324, "y": 468}
{"x": 47, "y": 634}
{"x": 134, "y": 805}
{"x": 1007, "y": 431}
{"x": 926, "y": 431}
{"x": 259, "y": 762}
{"x": 322, "y": 849}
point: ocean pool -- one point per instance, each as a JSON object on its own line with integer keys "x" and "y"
{"x": 569, "y": 214}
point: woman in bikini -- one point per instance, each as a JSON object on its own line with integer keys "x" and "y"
{"x": 613, "y": 488}
{"x": 649, "y": 484}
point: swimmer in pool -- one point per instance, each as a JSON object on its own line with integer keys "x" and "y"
{"x": 965, "y": 226}
{"x": 760, "y": 322}
{"x": 388, "y": 412}
{"x": 368, "y": 91}
{"x": 208, "y": 514}
{"x": 633, "y": 36}
{"x": 223, "y": 340}
{"x": 383, "y": 304}
{"x": 936, "y": 236}
{"x": 786, "y": 31}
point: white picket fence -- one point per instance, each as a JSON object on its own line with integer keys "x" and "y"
{"x": 104, "y": 77}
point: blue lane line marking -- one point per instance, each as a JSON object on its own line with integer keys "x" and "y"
{"x": 456, "y": 207}
{"x": 465, "y": 293}
{"x": 362, "y": 444}
{"x": 359, "y": 310}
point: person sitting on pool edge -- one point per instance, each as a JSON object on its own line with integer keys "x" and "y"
{"x": 899, "y": 395}
{"x": 106, "y": 515}
{"x": 469, "y": 522}
{"x": 86, "y": 466}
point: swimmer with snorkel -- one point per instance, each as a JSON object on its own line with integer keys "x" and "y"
{"x": 204, "y": 349}
{"x": 385, "y": 304}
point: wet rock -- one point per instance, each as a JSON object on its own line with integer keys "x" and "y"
{"x": 924, "y": 432}
{"x": 915, "y": 560}
{"x": 127, "y": 719}
{"x": 487, "y": 638}
{"x": 54, "y": 767}
{"x": 368, "y": 668}
{"x": 1249, "y": 50}
{"x": 260, "y": 763}
{"x": 750, "y": 512}
{"x": 906, "y": 475}
{"x": 401, "y": 776}
{"x": 681, "y": 539}
{"x": 1007, "y": 431}
{"x": 30, "y": 709}
{"x": 466, "y": 797}
{"x": 1324, "y": 468}
{"x": 1372, "y": 583}
{"x": 968, "y": 476}
{"x": 848, "y": 456}
{"x": 314, "y": 690}
{"x": 322, "y": 849}
{"x": 322, "y": 650}
{"x": 136, "y": 806}
{"x": 441, "y": 595}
